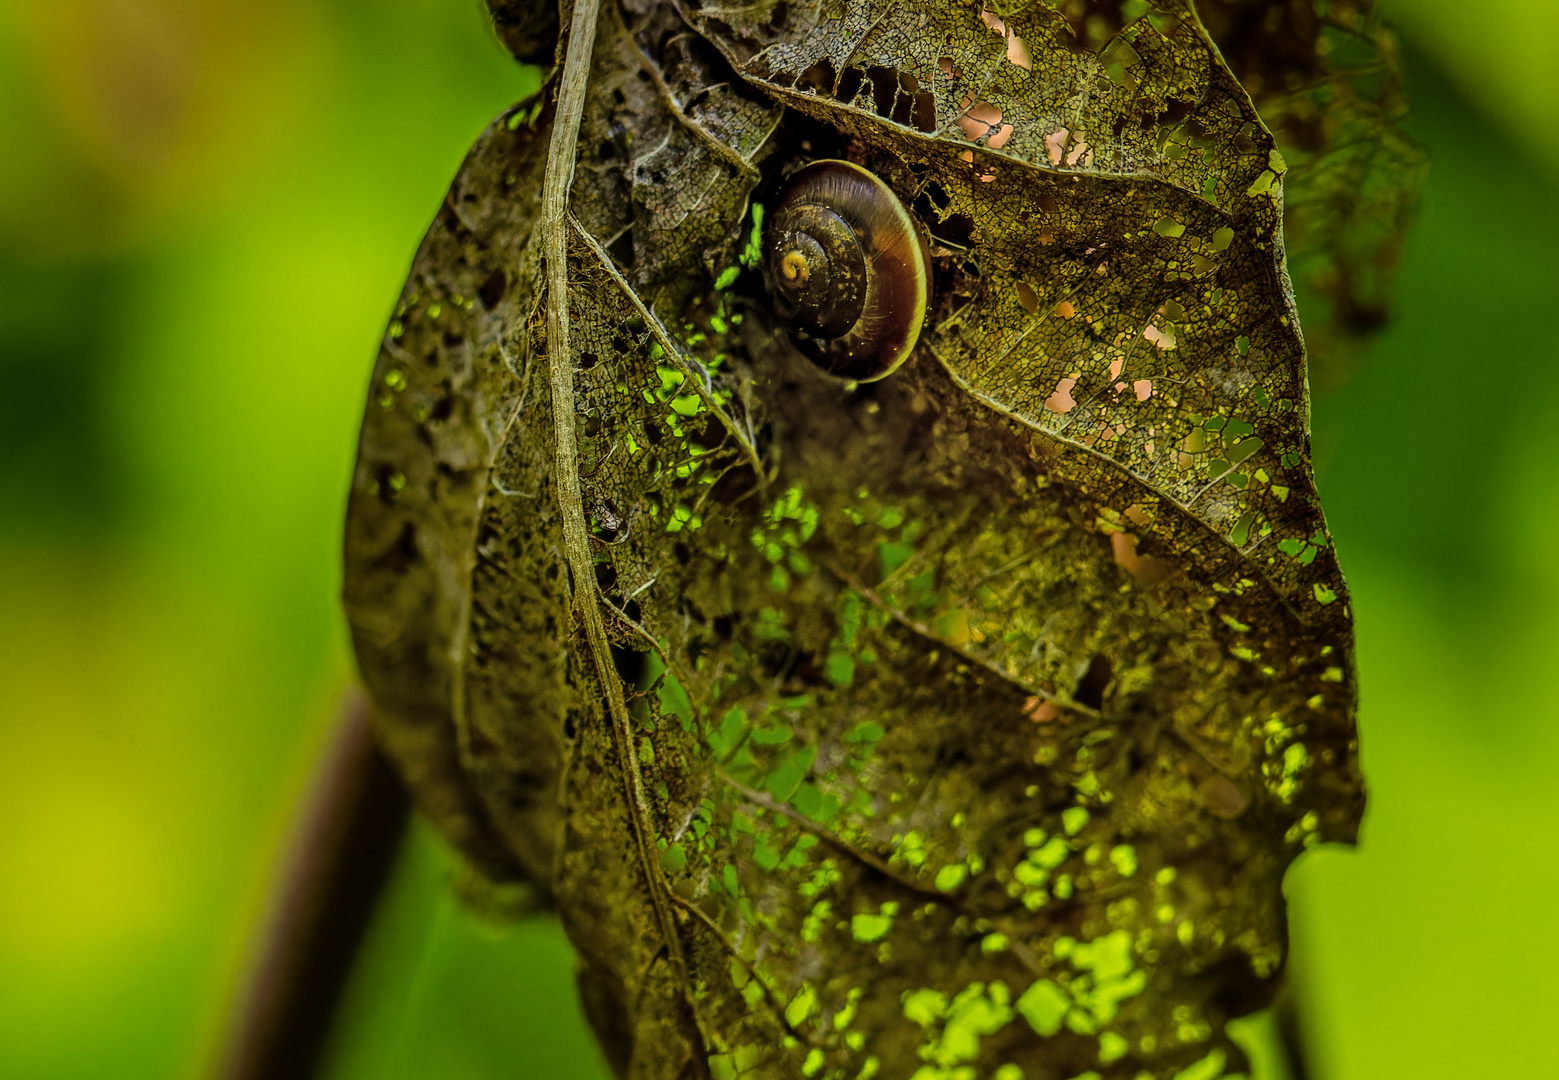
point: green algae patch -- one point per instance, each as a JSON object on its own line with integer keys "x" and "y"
{"x": 1044, "y": 1006}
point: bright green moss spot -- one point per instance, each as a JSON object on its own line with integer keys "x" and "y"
{"x": 892, "y": 555}
{"x": 867, "y": 928}
{"x": 812, "y": 802}
{"x": 675, "y": 702}
{"x": 731, "y": 732}
{"x": 784, "y": 780}
{"x": 765, "y": 854}
{"x": 839, "y": 668}
{"x": 814, "y": 1062}
{"x": 951, "y": 876}
{"x": 1108, "y": 957}
{"x": 911, "y": 849}
{"x": 727, "y": 277}
{"x": 1080, "y": 1021}
{"x": 1295, "y": 758}
{"x": 1026, "y": 873}
{"x": 801, "y": 1005}
{"x": 1112, "y": 1047}
{"x": 674, "y": 859}
{"x": 823, "y": 878}
{"x": 1010, "y": 1071}
{"x": 1073, "y": 818}
{"x": 1168, "y": 227}
{"x": 994, "y": 943}
{"x": 925, "y": 1007}
{"x": 1034, "y": 837}
{"x": 774, "y": 736}
{"x": 753, "y": 252}
{"x": 797, "y": 855}
{"x": 1124, "y": 859}
{"x": 1105, "y": 998}
{"x": 975, "y": 1013}
{"x": 812, "y": 925}
{"x": 867, "y": 732}
{"x": 1244, "y": 449}
{"x": 1044, "y": 1006}
{"x": 1240, "y": 534}
{"x": 1209, "y": 1068}
{"x": 1052, "y": 855}
{"x": 846, "y": 1016}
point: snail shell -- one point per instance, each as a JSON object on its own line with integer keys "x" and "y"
{"x": 848, "y": 270}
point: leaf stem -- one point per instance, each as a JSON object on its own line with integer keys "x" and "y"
{"x": 573, "y": 82}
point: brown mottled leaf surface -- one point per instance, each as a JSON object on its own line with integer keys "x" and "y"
{"x": 973, "y": 715}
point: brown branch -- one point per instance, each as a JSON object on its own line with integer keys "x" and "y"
{"x": 348, "y": 831}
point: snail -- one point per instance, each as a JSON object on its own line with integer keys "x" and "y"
{"x": 847, "y": 268}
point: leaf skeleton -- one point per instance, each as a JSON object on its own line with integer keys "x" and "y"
{"x": 918, "y": 650}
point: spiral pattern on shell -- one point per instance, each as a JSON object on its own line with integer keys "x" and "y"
{"x": 847, "y": 269}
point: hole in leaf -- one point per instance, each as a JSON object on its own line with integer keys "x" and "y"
{"x": 1090, "y": 689}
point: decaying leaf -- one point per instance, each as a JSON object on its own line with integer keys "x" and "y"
{"x": 956, "y": 725}
{"x": 1326, "y": 80}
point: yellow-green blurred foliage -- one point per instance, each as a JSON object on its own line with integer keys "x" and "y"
{"x": 206, "y": 210}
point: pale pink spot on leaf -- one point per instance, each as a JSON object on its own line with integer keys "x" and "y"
{"x": 946, "y": 64}
{"x": 987, "y": 112}
{"x": 967, "y": 155}
{"x": 973, "y": 129}
{"x": 1077, "y": 152}
{"x": 994, "y": 21}
{"x": 1065, "y": 309}
{"x": 1062, "y": 401}
{"x": 1018, "y": 53}
{"x": 999, "y": 140}
{"x": 1144, "y": 389}
{"x": 1054, "y": 143}
{"x": 1164, "y": 339}
{"x": 1040, "y": 711}
{"x": 1116, "y": 365}
{"x": 1145, "y": 569}
{"x": 987, "y": 178}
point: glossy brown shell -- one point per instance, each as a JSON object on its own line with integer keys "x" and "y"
{"x": 860, "y": 330}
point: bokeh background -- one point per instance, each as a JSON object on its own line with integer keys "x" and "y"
{"x": 206, "y": 210}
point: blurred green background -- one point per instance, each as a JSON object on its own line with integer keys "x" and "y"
{"x": 206, "y": 210}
